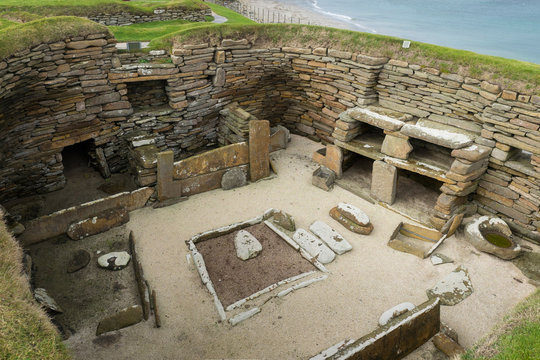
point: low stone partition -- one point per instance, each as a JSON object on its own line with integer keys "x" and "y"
{"x": 227, "y": 167}
{"x": 395, "y": 340}
{"x": 58, "y": 222}
{"x": 126, "y": 18}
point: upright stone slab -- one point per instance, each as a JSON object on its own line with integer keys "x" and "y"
{"x": 259, "y": 143}
{"x": 333, "y": 159}
{"x": 167, "y": 188}
{"x": 384, "y": 182}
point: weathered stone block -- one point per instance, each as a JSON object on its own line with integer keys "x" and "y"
{"x": 98, "y": 223}
{"x": 333, "y": 159}
{"x": 397, "y": 147}
{"x": 323, "y": 178}
{"x": 167, "y": 188}
{"x": 384, "y": 182}
{"x": 259, "y": 144}
{"x": 124, "y": 318}
{"x": 233, "y": 178}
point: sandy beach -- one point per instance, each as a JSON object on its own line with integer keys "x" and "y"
{"x": 305, "y": 15}
{"x": 360, "y": 286}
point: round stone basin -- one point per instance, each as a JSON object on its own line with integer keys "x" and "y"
{"x": 497, "y": 239}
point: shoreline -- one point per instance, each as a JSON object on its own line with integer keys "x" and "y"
{"x": 306, "y": 15}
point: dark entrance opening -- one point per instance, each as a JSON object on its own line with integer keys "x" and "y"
{"x": 357, "y": 173}
{"x": 76, "y": 159}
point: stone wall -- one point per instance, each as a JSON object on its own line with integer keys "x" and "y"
{"x": 56, "y": 95}
{"x": 127, "y": 18}
{"x": 504, "y": 121}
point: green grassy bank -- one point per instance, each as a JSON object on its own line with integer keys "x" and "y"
{"x": 93, "y": 7}
{"x": 25, "y": 330}
{"x": 153, "y": 30}
{"x": 19, "y": 37}
{"x": 517, "y": 337}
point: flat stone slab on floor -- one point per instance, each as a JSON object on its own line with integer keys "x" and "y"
{"x": 246, "y": 245}
{"x": 330, "y": 237}
{"x": 79, "y": 260}
{"x": 114, "y": 260}
{"x": 439, "y": 259}
{"x": 124, "y": 318}
{"x": 314, "y": 246}
{"x": 453, "y": 289}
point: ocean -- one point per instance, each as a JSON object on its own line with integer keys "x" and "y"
{"x": 506, "y": 28}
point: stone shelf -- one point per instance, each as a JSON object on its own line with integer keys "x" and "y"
{"x": 425, "y": 162}
{"x": 368, "y": 145}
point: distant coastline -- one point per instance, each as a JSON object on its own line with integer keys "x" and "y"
{"x": 507, "y": 29}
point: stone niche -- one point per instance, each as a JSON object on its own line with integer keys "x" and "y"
{"x": 147, "y": 95}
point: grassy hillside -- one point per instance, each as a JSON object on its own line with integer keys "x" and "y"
{"x": 152, "y": 30}
{"x": 518, "y": 75}
{"x": 92, "y": 7}
{"x": 19, "y": 37}
{"x": 25, "y": 331}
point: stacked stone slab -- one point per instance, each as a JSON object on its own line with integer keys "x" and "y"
{"x": 126, "y": 18}
{"x": 77, "y": 90}
{"x": 510, "y": 189}
{"x": 234, "y": 125}
{"x": 509, "y": 139}
{"x": 461, "y": 164}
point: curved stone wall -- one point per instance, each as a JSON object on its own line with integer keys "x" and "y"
{"x": 126, "y": 18}
{"x": 59, "y": 94}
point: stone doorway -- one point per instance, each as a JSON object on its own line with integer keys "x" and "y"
{"x": 76, "y": 159}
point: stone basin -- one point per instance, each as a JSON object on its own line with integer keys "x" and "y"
{"x": 493, "y": 236}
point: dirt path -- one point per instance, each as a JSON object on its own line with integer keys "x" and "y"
{"x": 363, "y": 283}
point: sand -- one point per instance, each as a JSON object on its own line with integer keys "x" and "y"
{"x": 362, "y": 284}
{"x": 288, "y": 11}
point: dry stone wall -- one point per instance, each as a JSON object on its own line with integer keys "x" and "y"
{"x": 56, "y": 95}
{"x": 126, "y": 18}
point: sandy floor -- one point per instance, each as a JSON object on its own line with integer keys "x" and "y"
{"x": 362, "y": 284}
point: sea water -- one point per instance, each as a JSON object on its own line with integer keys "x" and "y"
{"x": 507, "y": 28}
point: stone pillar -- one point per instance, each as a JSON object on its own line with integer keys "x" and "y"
{"x": 384, "y": 182}
{"x": 259, "y": 144}
{"x": 396, "y": 145}
{"x": 167, "y": 188}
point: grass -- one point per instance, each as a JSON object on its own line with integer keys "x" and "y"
{"x": 16, "y": 38}
{"x": 25, "y": 330}
{"x": 4, "y": 23}
{"x": 517, "y": 337}
{"x": 156, "y": 29}
{"x": 518, "y": 75}
{"x": 93, "y": 7}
